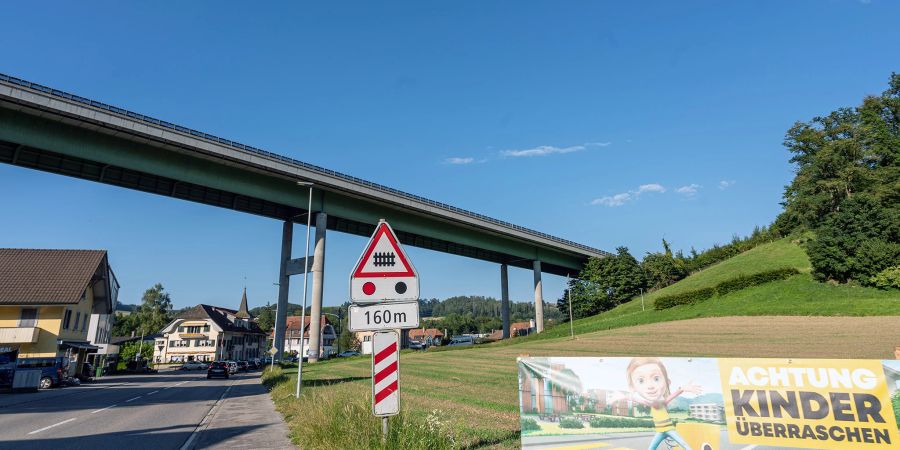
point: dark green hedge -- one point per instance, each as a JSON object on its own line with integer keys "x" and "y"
{"x": 570, "y": 423}
{"x": 530, "y": 425}
{"x": 620, "y": 422}
{"x": 685, "y": 298}
{"x": 725, "y": 287}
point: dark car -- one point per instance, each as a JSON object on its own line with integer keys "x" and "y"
{"x": 252, "y": 365}
{"x": 217, "y": 369}
{"x": 242, "y": 366}
{"x": 54, "y": 370}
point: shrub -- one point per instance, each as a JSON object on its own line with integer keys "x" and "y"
{"x": 620, "y": 422}
{"x": 685, "y": 298}
{"x": 744, "y": 281}
{"x": 887, "y": 278}
{"x": 725, "y": 287}
{"x": 569, "y": 422}
{"x": 530, "y": 425}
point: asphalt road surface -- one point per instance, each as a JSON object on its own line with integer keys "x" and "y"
{"x": 158, "y": 411}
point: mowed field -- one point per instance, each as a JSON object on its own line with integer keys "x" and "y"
{"x": 474, "y": 391}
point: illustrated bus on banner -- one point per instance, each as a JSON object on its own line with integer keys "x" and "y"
{"x": 709, "y": 404}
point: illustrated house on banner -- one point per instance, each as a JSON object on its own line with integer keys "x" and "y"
{"x": 548, "y": 389}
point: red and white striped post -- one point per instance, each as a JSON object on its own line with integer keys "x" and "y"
{"x": 386, "y": 373}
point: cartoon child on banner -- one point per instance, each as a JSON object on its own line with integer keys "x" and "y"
{"x": 647, "y": 377}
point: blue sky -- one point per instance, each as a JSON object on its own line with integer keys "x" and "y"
{"x": 607, "y": 123}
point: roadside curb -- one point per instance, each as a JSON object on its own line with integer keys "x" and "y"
{"x": 204, "y": 424}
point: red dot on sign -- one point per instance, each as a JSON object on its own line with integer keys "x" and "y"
{"x": 369, "y": 288}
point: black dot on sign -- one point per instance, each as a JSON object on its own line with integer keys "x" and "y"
{"x": 400, "y": 287}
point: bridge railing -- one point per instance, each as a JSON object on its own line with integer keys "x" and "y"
{"x": 285, "y": 159}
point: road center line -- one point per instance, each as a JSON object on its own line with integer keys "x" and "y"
{"x": 133, "y": 399}
{"x": 152, "y": 392}
{"x": 51, "y": 426}
{"x": 104, "y": 409}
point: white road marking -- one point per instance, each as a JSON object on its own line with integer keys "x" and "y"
{"x": 749, "y": 447}
{"x": 133, "y": 399}
{"x": 152, "y": 392}
{"x": 51, "y": 426}
{"x": 104, "y": 409}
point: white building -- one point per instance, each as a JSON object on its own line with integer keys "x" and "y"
{"x": 709, "y": 412}
{"x": 292, "y": 336}
{"x": 210, "y": 333}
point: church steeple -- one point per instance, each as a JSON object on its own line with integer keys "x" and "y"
{"x": 243, "y": 312}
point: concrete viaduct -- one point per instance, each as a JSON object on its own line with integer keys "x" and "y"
{"x": 50, "y": 130}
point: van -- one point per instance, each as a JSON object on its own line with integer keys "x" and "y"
{"x": 54, "y": 369}
{"x": 462, "y": 340}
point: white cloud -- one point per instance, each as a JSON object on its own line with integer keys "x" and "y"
{"x": 615, "y": 200}
{"x": 625, "y": 197}
{"x": 544, "y": 150}
{"x": 458, "y": 160}
{"x": 688, "y": 190}
{"x": 725, "y": 184}
{"x": 652, "y": 187}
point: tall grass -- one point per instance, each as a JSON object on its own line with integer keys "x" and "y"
{"x": 341, "y": 417}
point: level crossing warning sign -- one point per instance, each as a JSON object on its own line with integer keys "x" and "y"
{"x": 383, "y": 272}
{"x": 386, "y": 373}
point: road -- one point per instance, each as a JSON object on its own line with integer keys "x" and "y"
{"x": 159, "y": 411}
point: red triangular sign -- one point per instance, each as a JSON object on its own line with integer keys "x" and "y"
{"x": 383, "y": 257}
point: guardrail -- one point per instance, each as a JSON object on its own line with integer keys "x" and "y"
{"x": 285, "y": 159}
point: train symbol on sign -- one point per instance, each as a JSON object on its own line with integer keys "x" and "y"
{"x": 383, "y": 272}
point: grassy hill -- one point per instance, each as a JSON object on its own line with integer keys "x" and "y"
{"x": 798, "y": 295}
{"x": 468, "y": 398}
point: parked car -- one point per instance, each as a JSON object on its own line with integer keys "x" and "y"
{"x": 348, "y": 353}
{"x": 242, "y": 366}
{"x": 416, "y": 345}
{"x": 217, "y": 369}
{"x": 194, "y": 365}
{"x": 54, "y": 370}
{"x": 462, "y": 340}
{"x": 252, "y": 365}
{"x": 232, "y": 367}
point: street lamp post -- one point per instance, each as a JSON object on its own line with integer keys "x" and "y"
{"x": 305, "y": 281}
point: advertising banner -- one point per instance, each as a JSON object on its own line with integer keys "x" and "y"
{"x": 708, "y": 403}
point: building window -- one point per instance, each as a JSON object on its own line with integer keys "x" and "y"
{"x": 85, "y": 323}
{"x": 206, "y": 328}
{"x": 28, "y": 317}
{"x": 77, "y": 320}
{"x": 205, "y": 343}
{"x": 67, "y": 319}
{"x": 179, "y": 343}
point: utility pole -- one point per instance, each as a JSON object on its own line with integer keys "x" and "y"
{"x": 642, "y": 299}
{"x": 571, "y": 325}
{"x": 305, "y": 281}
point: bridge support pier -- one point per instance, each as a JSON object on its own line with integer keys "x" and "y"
{"x": 538, "y": 298}
{"x": 318, "y": 272}
{"x": 287, "y": 235}
{"x": 504, "y": 299}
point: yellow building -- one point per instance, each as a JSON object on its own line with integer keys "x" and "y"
{"x": 55, "y": 303}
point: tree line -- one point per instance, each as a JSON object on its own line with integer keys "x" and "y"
{"x": 846, "y": 192}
